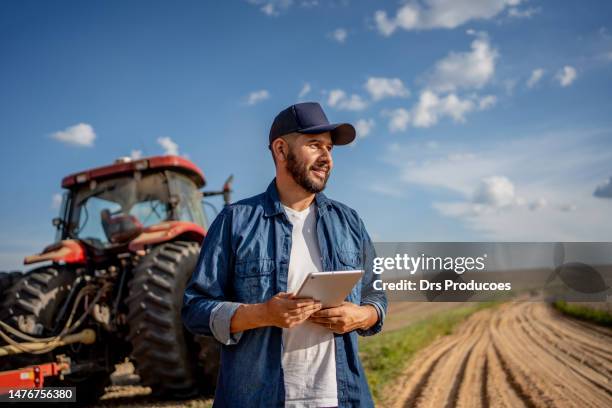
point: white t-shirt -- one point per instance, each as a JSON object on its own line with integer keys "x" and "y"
{"x": 309, "y": 353}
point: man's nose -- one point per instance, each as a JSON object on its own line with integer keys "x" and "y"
{"x": 327, "y": 157}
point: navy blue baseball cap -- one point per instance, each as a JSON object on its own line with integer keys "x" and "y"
{"x": 309, "y": 118}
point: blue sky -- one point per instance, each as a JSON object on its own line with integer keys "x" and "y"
{"x": 477, "y": 120}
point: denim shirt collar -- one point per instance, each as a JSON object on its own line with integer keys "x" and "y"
{"x": 273, "y": 206}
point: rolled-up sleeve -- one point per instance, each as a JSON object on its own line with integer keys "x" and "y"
{"x": 370, "y": 295}
{"x": 206, "y": 308}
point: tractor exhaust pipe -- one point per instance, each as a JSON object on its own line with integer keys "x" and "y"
{"x": 87, "y": 336}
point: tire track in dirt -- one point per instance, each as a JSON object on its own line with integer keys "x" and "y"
{"x": 521, "y": 354}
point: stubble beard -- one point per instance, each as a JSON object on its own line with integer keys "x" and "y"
{"x": 301, "y": 174}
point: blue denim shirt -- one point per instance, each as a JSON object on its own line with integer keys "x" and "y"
{"x": 245, "y": 259}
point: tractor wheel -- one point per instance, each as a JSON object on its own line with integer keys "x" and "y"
{"x": 32, "y": 305}
{"x": 167, "y": 357}
{"x": 7, "y": 280}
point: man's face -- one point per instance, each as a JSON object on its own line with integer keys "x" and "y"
{"x": 310, "y": 162}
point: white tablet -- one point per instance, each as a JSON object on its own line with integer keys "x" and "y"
{"x": 331, "y": 288}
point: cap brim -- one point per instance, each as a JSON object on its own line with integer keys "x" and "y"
{"x": 341, "y": 133}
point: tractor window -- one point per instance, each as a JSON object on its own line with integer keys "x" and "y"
{"x": 150, "y": 212}
{"x": 189, "y": 205}
{"x": 116, "y": 210}
{"x": 90, "y": 221}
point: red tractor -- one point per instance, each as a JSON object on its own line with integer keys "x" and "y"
{"x": 111, "y": 287}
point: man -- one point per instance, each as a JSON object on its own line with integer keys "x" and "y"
{"x": 279, "y": 350}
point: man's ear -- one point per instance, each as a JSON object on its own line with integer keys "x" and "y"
{"x": 280, "y": 148}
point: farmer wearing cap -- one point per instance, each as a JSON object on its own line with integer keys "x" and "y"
{"x": 278, "y": 350}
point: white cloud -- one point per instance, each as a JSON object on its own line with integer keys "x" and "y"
{"x": 535, "y": 77}
{"x": 380, "y": 88}
{"x": 136, "y": 154}
{"x": 487, "y": 102}
{"x": 566, "y": 75}
{"x": 544, "y": 198}
{"x": 425, "y": 114}
{"x": 538, "y": 204}
{"x": 169, "y": 146}
{"x": 56, "y": 201}
{"x": 257, "y": 96}
{"x": 269, "y": 9}
{"x": 431, "y": 108}
{"x": 399, "y": 119}
{"x": 339, "y": 35}
{"x": 604, "y": 190}
{"x": 469, "y": 70}
{"x": 364, "y": 127}
{"x": 431, "y": 14}
{"x": 496, "y": 191}
{"x": 338, "y": 99}
{"x": 305, "y": 90}
{"x": 528, "y": 12}
{"x": 272, "y": 8}
{"x": 385, "y": 25}
{"x": 81, "y": 134}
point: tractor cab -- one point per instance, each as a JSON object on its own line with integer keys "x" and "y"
{"x": 115, "y": 204}
{"x": 129, "y": 204}
{"x": 117, "y": 209}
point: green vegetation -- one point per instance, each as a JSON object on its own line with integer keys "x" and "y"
{"x": 600, "y": 317}
{"x": 385, "y": 355}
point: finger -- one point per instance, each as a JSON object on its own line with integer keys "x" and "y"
{"x": 301, "y": 317}
{"x": 325, "y": 321}
{"x": 334, "y": 311}
{"x": 295, "y": 304}
{"x": 295, "y": 312}
{"x": 309, "y": 309}
{"x": 303, "y": 298}
{"x": 313, "y": 308}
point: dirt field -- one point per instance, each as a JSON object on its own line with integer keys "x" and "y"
{"x": 520, "y": 354}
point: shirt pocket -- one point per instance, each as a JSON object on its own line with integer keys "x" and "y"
{"x": 253, "y": 280}
{"x": 351, "y": 260}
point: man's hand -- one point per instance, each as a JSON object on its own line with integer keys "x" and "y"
{"x": 284, "y": 310}
{"x": 346, "y": 317}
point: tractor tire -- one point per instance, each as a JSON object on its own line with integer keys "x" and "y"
{"x": 7, "y": 280}
{"x": 167, "y": 357}
{"x": 32, "y": 305}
